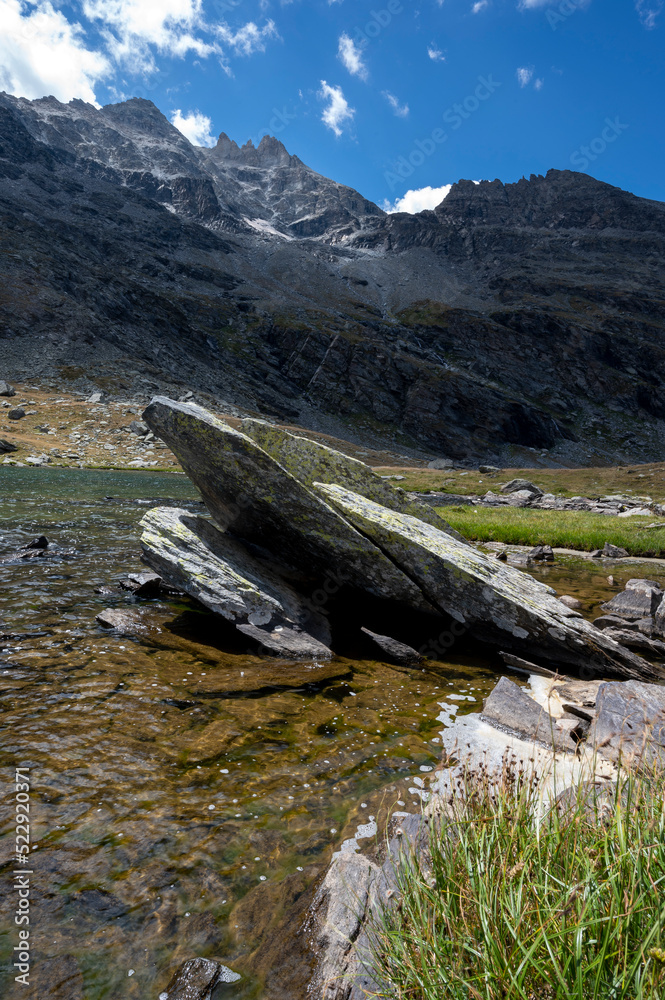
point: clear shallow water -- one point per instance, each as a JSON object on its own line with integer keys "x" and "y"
{"x": 184, "y": 802}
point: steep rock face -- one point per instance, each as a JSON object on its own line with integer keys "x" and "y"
{"x": 514, "y": 317}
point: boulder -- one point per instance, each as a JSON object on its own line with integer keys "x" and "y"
{"x": 571, "y": 602}
{"x": 488, "y": 470}
{"x": 659, "y": 619}
{"x": 614, "y": 551}
{"x": 542, "y": 553}
{"x": 194, "y": 556}
{"x": 244, "y": 487}
{"x": 17, "y": 413}
{"x": 196, "y": 980}
{"x": 509, "y": 706}
{"x": 630, "y": 723}
{"x": 640, "y": 599}
{"x": 393, "y": 651}
{"x": 524, "y": 485}
{"x": 440, "y": 464}
{"x": 6, "y": 389}
{"x": 310, "y": 462}
{"x": 6, "y": 446}
{"x": 498, "y": 603}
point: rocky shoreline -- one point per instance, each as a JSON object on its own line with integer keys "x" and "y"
{"x": 564, "y": 734}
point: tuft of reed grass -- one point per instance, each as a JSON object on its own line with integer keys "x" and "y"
{"x": 502, "y": 907}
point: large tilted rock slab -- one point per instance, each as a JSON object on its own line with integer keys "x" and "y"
{"x": 311, "y": 462}
{"x": 196, "y": 557}
{"x": 498, "y": 603}
{"x": 246, "y": 490}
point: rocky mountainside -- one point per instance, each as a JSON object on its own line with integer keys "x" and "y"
{"x": 513, "y": 318}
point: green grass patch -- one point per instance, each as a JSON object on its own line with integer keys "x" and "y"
{"x": 496, "y": 911}
{"x": 568, "y": 529}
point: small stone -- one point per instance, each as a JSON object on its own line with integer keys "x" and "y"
{"x": 41, "y": 542}
{"x": 571, "y": 602}
{"x": 96, "y": 397}
{"x": 17, "y": 413}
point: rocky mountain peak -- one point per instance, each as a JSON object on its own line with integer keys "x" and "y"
{"x": 269, "y": 153}
{"x": 561, "y": 199}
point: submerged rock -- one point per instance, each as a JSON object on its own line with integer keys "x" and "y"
{"x": 245, "y": 489}
{"x": 498, "y": 603}
{"x": 311, "y": 462}
{"x": 192, "y": 554}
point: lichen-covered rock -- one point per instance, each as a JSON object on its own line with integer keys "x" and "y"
{"x": 246, "y": 489}
{"x": 196, "y": 557}
{"x": 498, "y": 603}
{"x": 311, "y": 462}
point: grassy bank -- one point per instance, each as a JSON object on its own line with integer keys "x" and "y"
{"x": 500, "y": 913}
{"x": 563, "y": 529}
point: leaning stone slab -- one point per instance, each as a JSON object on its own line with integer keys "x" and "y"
{"x": 311, "y": 462}
{"x": 630, "y": 723}
{"x": 246, "y": 490}
{"x": 392, "y": 650}
{"x": 196, "y": 557}
{"x": 510, "y": 707}
{"x": 498, "y": 603}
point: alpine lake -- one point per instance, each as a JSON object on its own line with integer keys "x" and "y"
{"x": 187, "y": 794}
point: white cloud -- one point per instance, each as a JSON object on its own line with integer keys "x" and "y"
{"x": 248, "y": 39}
{"x": 130, "y": 27}
{"x": 351, "y": 56}
{"x": 648, "y": 11}
{"x": 480, "y": 5}
{"x": 418, "y": 201}
{"x": 538, "y": 84}
{"x": 338, "y": 110}
{"x": 42, "y": 53}
{"x": 195, "y": 127}
{"x": 524, "y": 74}
{"x": 436, "y": 54}
{"x": 401, "y": 110}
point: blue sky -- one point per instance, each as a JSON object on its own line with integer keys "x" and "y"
{"x": 395, "y": 98}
